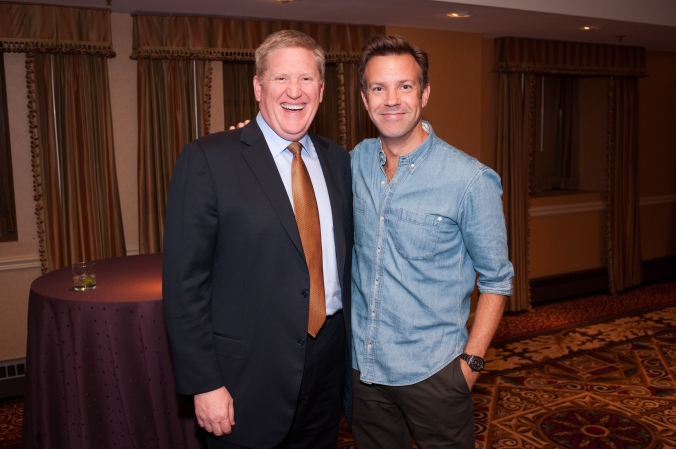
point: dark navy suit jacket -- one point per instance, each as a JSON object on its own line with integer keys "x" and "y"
{"x": 234, "y": 274}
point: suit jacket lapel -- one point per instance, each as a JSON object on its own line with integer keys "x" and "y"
{"x": 264, "y": 169}
{"x": 331, "y": 170}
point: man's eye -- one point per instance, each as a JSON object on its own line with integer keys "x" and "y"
{"x": 306, "y": 79}
{"x": 280, "y": 79}
{"x": 406, "y": 87}
{"x": 378, "y": 89}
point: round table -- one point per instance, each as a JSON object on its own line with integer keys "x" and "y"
{"x": 98, "y": 363}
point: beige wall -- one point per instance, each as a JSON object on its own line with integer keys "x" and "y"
{"x": 657, "y": 158}
{"x": 455, "y": 74}
{"x": 461, "y": 110}
{"x": 19, "y": 263}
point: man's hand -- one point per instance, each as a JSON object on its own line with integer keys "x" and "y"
{"x": 240, "y": 124}
{"x": 215, "y": 411}
{"x": 470, "y": 376}
{"x": 487, "y": 317}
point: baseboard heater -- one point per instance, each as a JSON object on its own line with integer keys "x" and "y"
{"x": 12, "y": 378}
{"x": 588, "y": 282}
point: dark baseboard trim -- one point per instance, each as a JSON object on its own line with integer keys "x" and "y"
{"x": 659, "y": 269}
{"x": 560, "y": 286}
{"x": 10, "y": 388}
{"x": 12, "y": 378}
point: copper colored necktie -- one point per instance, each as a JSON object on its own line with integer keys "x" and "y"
{"x": 307, "y": 218}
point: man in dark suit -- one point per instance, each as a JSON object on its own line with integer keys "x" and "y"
{"x": 243, "y": 269}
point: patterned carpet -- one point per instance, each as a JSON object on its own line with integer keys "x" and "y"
{"x": 10, "y": 423}
{"x": 578, "y": 310}
{"x": 599, "y": 386}
{"x": 589, "y": 373}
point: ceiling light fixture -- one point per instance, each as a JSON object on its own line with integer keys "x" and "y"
{"x": 286, "y": 1}
{"x": 460, "y": 14}
{"x": 591, "y": 28}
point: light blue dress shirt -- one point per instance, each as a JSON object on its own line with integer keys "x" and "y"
{"x": 283, "y": 157}
{"x": 420, "y": 241}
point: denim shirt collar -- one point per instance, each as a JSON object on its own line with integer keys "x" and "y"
{"x": 416, "y": 157}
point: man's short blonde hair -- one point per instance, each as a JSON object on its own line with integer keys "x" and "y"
{"x": 287, "y": 39}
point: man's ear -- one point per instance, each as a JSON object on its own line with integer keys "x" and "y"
{"x": 425, "y": 95}
{"x": 364, "y": 99}
{"x": 257, "y": 88}
{"x": 321, "y": 91}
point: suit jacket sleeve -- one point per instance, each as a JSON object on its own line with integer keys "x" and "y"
{"x": 189, "y": 242}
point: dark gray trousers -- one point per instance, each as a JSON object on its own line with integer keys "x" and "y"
{"x": 437, "y": 412}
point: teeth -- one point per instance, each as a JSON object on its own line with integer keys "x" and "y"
{"x": 293, "y": 107}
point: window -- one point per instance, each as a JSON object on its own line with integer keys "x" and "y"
{"x": 555, "y": 153}
{"x": 8, "y": 230}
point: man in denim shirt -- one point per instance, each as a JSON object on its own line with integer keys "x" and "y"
{"x": 428, "y": 219}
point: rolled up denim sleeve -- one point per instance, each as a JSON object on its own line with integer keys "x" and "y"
{"x": 483, "y": 229}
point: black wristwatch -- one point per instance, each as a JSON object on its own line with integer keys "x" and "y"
{"x": 475, "y": 362}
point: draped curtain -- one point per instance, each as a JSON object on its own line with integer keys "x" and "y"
{"x": 7, "y": 210}
{"x": 516, "y": 92}
{"x": 341, "y": 116}
{"x": 238, "y": 95}
{"x": 173, "y": 109}
{"x": 164, "y": 44}
{"x": 75, "y": 182}
{"x": 517, "y": 62}
{"x": 623, "y": 236}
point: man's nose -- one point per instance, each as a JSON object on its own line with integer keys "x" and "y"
{"x": 294, "y": 89}
{"x": 392, "y": 97}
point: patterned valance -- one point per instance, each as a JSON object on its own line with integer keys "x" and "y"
{"x": 568, "y": 58}
{"x": 225, "y": 39}
{"x": 26, "y": 27}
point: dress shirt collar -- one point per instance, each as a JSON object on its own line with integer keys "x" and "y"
{"x": 278, "y": 144}
{"x": 417, "y": 156}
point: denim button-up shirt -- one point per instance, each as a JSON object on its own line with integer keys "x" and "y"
{"x": 420, "y": 241}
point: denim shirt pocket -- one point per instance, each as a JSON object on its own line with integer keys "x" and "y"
{"x": 358, "y": 217}
{"x": 416, "y": 234}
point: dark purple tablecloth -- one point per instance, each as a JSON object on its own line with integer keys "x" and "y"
{"x": 98, "y": 364}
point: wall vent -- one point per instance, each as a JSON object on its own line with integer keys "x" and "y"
{"x": 12, "y": 378}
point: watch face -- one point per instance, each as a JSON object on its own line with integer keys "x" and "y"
{"x": 476, "y": 363}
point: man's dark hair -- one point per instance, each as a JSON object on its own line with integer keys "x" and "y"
{"x": 382, "y": 45}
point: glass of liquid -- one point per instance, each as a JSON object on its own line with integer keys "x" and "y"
{"x": 84, "y": 276}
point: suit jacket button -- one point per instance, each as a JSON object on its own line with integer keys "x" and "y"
{"x": 305, "y": 293}
{"x": 301, "y": 341}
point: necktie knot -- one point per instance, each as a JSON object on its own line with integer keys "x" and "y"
{"x": 295, "y": 148}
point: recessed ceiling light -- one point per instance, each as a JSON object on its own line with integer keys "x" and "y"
{"x": 591, "y": 27}
{"x": 286, "y": 1}
{"x": 460, "y": 14}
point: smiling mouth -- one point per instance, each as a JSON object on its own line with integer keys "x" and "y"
{"x": 293, "y": 107}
